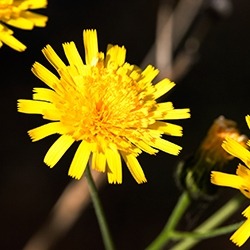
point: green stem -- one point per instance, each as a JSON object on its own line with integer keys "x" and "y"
{"x": 178, "y": 235}
{"x": 163, "y": 238}
{"x": 212, "y": 222}
{"x": 99, "y": 211}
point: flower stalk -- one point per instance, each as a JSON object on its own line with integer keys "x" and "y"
{"x": 107, "y": 240}
{"x": 165, "y": 236}
{"x": 207, "y": 229}
{"x": 211, "y": 223}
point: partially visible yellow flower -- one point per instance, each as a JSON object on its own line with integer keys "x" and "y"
{"x": 239, "y": 181}
{"x": 16, "y": 13}
{"x": 106, "y": 104}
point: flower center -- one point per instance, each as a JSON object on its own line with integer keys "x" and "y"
{"x": 104, "y": 104}
{"x": 8, "y": 10}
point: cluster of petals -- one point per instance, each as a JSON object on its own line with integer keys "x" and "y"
{"x": 106, "y": 105}
{"x": 18, "y": 14}
{"x": 240, "y": 181}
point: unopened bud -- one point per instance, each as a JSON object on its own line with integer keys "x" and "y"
{"x": 194, "y": 173}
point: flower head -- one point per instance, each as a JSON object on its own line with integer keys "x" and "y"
{"x": 17, "y": 13}
{"x": 239, "y": 181}
{"x": 106, "y": 104}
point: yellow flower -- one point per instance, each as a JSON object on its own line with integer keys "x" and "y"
{"x": 239, "y": 181}
{"x": 108, "y": 105}
{"x": 16, "y": 13}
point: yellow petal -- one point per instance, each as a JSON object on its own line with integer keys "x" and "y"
{"x": 149, "y": 73}
{"x": 21, "y": 23}
{"x": 33, "y": 107}
{"x": 177, "y": 114}
{"x": 234, "y": 148}
{"x": 244, "y": 172}
{"x": 135, "y": 75}
{"x": 164, "y": 106}
{"x": 46, "y": 130}
{"x": 67, "y": 80}
{"x": 163, "y": 87}
{"x": 246, "y": 212}
{"x": 51, "y": 113}
{"x": 91, "y": 46}
{"x": 227, "y": 180}
{"x": 37, "y": 19}
{"x": 167, "y": 128}
{"x": 114, "y": 165}
{"x": 98, "y": 161}
{"x": 72, "y": 55}
{"x": 242, "y": 234}
{"x": 145, "y": 147}
{"x": 53, "y": 58}
{"x": 80, "y": 160}
{"x": 166, "y": 146}
{"x": 33, "y": 4}
{"x": 134, "y": 167}
{"x": 12, "y": 42}
{"x": 43, "y": 94}
{"x": 115, "y": 54}
{"x": 248, "y": 121}
{"x": 57, "y": 150}
{"x": 45, "y": 75}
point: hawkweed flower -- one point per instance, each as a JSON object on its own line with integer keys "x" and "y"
{"x": 106, "y": 104}
{"x": 193, "y": 174}
{"x": 239, "y": 181}
{"x": 16, "y": 13}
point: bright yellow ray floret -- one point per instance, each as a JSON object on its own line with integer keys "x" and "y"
{"x": 106, "y": 105}
{"x": 242, "y": 234}
{"x": 239, "y": 181}
{"x": 237, "y": 150}
{"x": 16, "y": 13}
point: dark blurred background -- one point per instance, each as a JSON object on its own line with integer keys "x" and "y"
{"x": 217, "y": 83}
